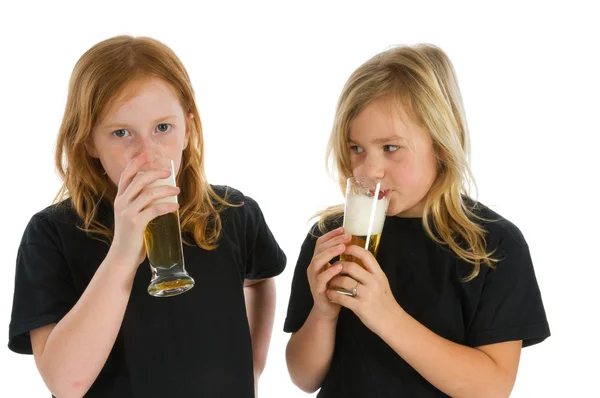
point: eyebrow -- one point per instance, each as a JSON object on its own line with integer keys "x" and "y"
{"x": 382, "y": 140}
{"x": 119, "y": 124}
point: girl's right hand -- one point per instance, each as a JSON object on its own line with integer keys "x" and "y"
{"x": 320, "y": 271}
{"x": 134, "y": 209}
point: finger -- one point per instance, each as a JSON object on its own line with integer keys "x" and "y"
{"x": 320, "y": 260}
{"x": 356, "y": 272}
{"x": 328, "y": 236}
{"x": 150, "y": 195}
{"x": 331, "y": 234}
{"x": 324, "y": 277}
{"x": 341, "y": 239}
{"x": 156, "y": 210}
{"x": 365, "y": 257}
{"x": 141, "y": 181}
{"x": 343, "y": 282}
{"x": 345, "y": 301}
{"x": 130, "y": 171}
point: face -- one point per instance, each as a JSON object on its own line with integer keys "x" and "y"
{"x": 146, "y": 117}
{"x": 385, "y": 143}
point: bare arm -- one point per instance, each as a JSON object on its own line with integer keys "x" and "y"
{"x": 457, "y": 370}
{"x": 310, "y": 349}
{"x": 70, "y": 354}
{"x": 309, "y": 352}
{"x": 260, "y": 308}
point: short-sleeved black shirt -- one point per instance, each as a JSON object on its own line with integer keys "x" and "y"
{"x": 501, "y": 304}
{"x": 196, "y": 344}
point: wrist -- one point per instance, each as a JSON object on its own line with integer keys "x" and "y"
{"x": 119, "y": 269}
{"x": 323, "y": 319}
{"x": 121, "y": 253}
{"x": 394, "y": 321}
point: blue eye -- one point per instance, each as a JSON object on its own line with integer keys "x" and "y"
{"x": 390, "y": 148}
{"x": 163, "y": 127}
{"x": 356, "y": 149}
{"x": 121, "y": 133}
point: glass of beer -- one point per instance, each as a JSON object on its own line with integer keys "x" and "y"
{"x": 162, "y": 240}
{"x": 364, "y": 214}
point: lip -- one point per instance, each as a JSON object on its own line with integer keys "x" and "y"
{"x": 383, "y": 193}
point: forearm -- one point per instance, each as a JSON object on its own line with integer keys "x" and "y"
{"x": 456, "y": 370}
{"x": 260, "y": 309}
{"x": 309, "y": 352}
{"x": 78, "y": 346}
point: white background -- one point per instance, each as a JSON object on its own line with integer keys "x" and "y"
{"x": 267, "y": 78}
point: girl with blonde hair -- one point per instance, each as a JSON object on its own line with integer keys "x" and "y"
{"x": 451, "y": 298}
{"x": 81, "y": 305}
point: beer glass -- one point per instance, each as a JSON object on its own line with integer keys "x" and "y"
{"x": 162, "y": 240}
{"x": 364, "y": 215}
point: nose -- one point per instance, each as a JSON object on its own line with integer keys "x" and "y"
{"x": 372, "y": 167}
{"x": 143, "y": 145}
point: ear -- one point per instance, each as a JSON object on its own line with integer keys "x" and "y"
{"x": 190, "y": 116}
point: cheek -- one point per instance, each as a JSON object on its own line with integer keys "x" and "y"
{"x": 177, "y": 164}
{"x": 113, "y": 170}
{"x": 429, "y": 171}
{"x": 174, "y": 148}
{"x": 402, "y": 175}
{"x": 175, "y": 152}
{"x": 415, "y": 174}
{"x": 113, "y": 161}
{"x": 411, "y": 180}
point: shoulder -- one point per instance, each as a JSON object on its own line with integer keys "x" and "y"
{"x": 239, "y": 201}
{"x": 228, "y": 193}
{"x": 499, "y": 230}
{"x": 241, "y": 211}
{"x": 506, "y": 243}
{"x": 50, "y": 222}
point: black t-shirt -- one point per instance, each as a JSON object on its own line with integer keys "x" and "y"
{"x": 196, "y": 344}
{"x": 501, "y": 304}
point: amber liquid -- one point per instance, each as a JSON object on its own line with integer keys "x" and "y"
{"x": 172, "y": 285}
{"x": 362, "y": 242}
{"x": 162, "y": 239}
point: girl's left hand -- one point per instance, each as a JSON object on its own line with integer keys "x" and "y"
{"x": 374, "y": 302}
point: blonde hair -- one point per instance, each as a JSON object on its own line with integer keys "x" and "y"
{"x": 98, "y": 77}
{"x": 421, "y": 78}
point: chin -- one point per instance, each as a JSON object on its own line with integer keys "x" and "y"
{"x": 112, "y": 181}
{"x": 394, "y": 208}
{"x": 395, "y": 205}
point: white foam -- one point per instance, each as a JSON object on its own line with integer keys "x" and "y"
{"x": 170, "y": 180}
{"x": 358, "y": 212}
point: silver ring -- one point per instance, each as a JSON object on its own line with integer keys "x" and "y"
{"x": 355, "y": 290}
